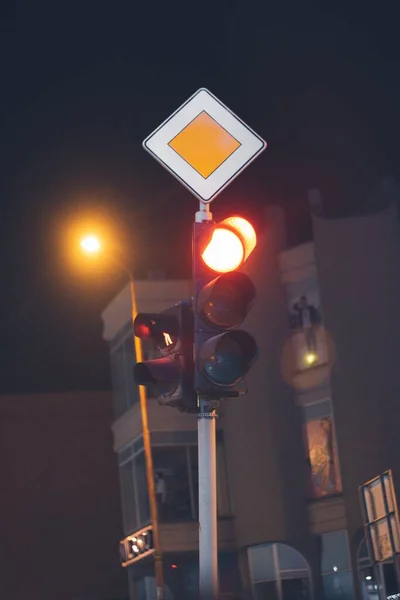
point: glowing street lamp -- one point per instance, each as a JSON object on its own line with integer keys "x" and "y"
{"x": 90, "y": 244}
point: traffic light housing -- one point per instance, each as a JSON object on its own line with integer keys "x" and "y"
{"x": 170, "y": 373}
{"x": 222, "y": 298}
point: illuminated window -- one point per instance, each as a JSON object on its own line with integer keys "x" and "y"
{"x": 321, "y": 450}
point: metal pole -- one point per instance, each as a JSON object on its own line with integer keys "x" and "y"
{"x": 208, "y": 533}
{"x": 158, "y": 565}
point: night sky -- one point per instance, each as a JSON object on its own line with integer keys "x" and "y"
{"x": 82, "y": 84}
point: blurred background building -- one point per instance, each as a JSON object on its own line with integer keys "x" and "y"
{"x": 321, "y": 418}
{"x": 59, "y": 498}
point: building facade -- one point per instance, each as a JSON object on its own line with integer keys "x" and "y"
{"x": 60, "y": 506}
{"x": 320, "y": 419}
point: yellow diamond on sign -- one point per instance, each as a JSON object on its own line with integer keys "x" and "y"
{"x": 204, "y": 144}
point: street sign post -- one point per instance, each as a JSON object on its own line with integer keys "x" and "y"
{"x": 205, "y": 146}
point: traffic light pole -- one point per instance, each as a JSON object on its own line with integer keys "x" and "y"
{"x": 208, "y": 533}
{"x": 158, "y": 565}
{"x": 208, "y": 523}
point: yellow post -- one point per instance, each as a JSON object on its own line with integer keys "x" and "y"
{"x": 158, "y": 565}
{"x": 91, "y": 245}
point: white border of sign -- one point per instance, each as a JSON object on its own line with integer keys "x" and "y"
{"x": 205, "y": 189}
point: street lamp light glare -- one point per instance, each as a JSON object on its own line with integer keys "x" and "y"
{"x": 90, "y": 244}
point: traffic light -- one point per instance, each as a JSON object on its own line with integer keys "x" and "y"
{"x": 222, "y": 298}
{"x": 136, "y": 546}
{"x": 170, "y": 374}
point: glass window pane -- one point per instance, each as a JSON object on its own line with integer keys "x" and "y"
{"x": 368, "y": 584}
{"x": 129, "y": 362}
{"x": 266, "y": 591}
{"x": 128, "y": 497}
{"x": 335, "y": 552}
{"x": 389, "y": 575}
{"x": 147, "y": 589}
{"x": 322, "y": 457}
{"x": 290, "y": 559}
{"x": 339, "y": 586}
{"x": 190, "y": 580}
{"x": 363, "y": 550}
{"x": 118, "y": 381}
{"x": 229, "y": 575}
{"x": 296, "y": 589}
{"x": 142, "y": 491}
{"x": 141, "y": 589}
{"x": 172, "y": 483}
{"x": 261, "y": 563}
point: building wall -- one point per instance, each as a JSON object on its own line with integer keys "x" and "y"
{"x": 358, "y": 263}
{"x": 59, "y": 505}
{"x": 161, "y": 418}
{"x": 262, "y": 429}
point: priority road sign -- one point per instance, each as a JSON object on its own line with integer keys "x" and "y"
{"x": 204, "y": 145}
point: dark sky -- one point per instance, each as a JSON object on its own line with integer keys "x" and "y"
{"x": 83, "y": 83}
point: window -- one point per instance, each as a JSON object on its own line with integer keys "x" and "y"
{"x": 177, "y": 474}
{"x": 122, "y": 362}
{"x": 321, "y": 450}
{"x": 118, "y": 382}
{"x": 366, "y": 574}
{"x": 128, "y": 495}
{"x": 336, "y": 572}
{"x": 172, "y": 481}
{"x": 279, "y": 572}
{"x": 176, "y": 479}
{"x": 370, "y": 577}
{"x": 141, "y": 486}
{"x": 134, "y": 494}
{"x": 145, "y": 588}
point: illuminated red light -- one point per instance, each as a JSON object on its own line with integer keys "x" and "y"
{"x": 231, "y": 243}
{"x": 174, "y": 566}
{"x": 143, "y": 330}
